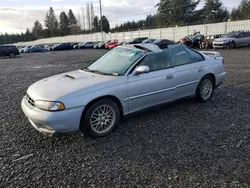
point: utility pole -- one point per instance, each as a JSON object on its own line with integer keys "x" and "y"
{"x": 100, "y": 2}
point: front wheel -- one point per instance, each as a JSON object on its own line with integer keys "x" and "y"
{"x": 205, "y": 89}
{"x": 101, "y": 118}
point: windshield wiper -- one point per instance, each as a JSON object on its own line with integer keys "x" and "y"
{"x": 87, "y": 70}
{"x": 99, "y": 72}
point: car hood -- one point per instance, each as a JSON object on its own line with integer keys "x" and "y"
{"x": 55, "y": 87}
{"x": 223, "y": 39}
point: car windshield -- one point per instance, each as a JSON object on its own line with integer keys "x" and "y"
{"x": 231, "y": 35}
{"x": 116, "y": 62}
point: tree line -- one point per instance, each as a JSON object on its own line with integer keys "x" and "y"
{"x": 170, "y": 13}
{"x": 66, "y": 25}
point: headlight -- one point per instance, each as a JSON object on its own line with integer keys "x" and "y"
{"x": 49, "y": 106}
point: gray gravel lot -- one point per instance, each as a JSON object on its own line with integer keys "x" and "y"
{"x": 183, "y": 144}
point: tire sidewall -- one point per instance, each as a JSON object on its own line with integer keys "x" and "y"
{"x": 85, "y": 125}
{"x": 198, "y": 92}
{"x": 12, "y": 55}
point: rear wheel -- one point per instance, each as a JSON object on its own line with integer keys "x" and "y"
{"x": 12, "y": 55}
{"x": 205, "y": 89}
{"x": 101, "y": 118}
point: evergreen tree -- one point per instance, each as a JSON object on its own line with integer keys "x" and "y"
{"x": 74, "y": 28}
{"x": 176, "y": 12}
{"x": 37, "y": 30}
{"x": 105, "y": 24}
{"x": 214, "y": 11}
{"x": 51, "y": 22}
{"x": 27, "y": 35}
{"x": 242, "y": 12}
{"x": 96, "y": 26}
{"x": 72, "y": 18}
{"x": 64, "y": 24}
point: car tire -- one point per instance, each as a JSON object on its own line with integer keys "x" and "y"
{"x": 233, "y": 45}
{"x": 205, "y": 89}
{"x": 101, "y": 118}
{"x": 229, "y": 46}
{"x": 12, "y": 55}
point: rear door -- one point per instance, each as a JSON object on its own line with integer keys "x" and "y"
{"x": 4, "y": 51}
{"x": 246, "y": 38}
{"x": 188, "y": 69}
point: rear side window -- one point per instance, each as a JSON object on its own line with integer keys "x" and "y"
{"x": 181, "y": 55}
{"x": 157, "y": 61}
{"x": 247, "y": 34}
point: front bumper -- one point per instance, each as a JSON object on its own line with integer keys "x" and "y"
{"x": 220, "y": 44}
{"x": 53, "y": 122}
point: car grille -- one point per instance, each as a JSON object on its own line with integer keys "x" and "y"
{"x": 30, "y": 100}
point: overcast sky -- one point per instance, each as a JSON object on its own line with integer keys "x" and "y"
{"x": 17, "y": 15}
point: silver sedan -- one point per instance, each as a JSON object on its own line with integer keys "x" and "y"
{"x": 124, "y": 80}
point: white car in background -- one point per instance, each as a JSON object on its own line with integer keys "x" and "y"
{"x": 86, "y": 45}
{"x": 233, "y": 40}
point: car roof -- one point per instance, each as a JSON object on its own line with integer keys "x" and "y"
{"x": 144, "y": 47}
{"x": 6, "y": 45}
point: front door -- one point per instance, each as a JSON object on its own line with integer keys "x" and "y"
{"x": 151, "y": 88}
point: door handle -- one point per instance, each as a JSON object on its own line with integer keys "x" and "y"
{"x": 200, "y": 69}
{"x": 169, "y": 76}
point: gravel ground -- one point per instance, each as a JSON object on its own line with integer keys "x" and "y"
{"x": 183, "y": 144}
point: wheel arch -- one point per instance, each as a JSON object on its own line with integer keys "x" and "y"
{"x": 110, "y": 97}
{"x": 212, "y": 76}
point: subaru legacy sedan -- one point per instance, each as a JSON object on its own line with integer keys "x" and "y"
{"x": 124, "y": 80}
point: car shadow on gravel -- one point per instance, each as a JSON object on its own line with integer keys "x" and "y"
{"x": 3, "y": 58}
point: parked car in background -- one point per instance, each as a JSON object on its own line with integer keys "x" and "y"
{"x": 74, "y": 43}
{"x": 207, "y": 42}
{"x": 111, "y": 43}
{"x": 9, "y": 50}
{"x": 86, "y": 45}
{"x": 76, "y": 46}
{"x": 100, "y": 45}
{"x": 21, "y": 50}
{"x": 48, "y": 47}
{"x": 62, "y": 46}
{"x": 147, "y": 41}
{"x": 35, "y": 48}
{"x": 97, "y": 45}
{"x": 192, "y": 41}
{"x": 162, "y": 44}
{"x": 137, "y": 40}
{"x": 125, "y": 80}
{"x": 233, "y": 40}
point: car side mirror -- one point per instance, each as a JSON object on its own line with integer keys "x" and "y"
{"x": 141, "y": 70}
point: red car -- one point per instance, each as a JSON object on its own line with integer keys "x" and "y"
{"x": 112, "y": 44}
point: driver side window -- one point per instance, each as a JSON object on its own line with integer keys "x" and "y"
{"x": 157, "y": 61}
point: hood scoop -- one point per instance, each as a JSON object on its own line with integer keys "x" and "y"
{"x": 68, "y": 76}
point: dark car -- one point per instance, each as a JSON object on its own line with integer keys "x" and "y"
{"x": 138, "y": 40}
{"x": 62, "y": 46}
{"x": 163, "y": 44}
{"x": 192, "y": 41}
{"x": 9, "y": 50}
{"x": 148, "y": 41}
{"x": 35, "y": 48}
